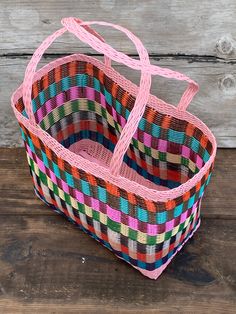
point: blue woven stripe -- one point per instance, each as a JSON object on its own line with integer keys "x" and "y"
{"x": 82, "y": 81}
{"x": 127, "y": 258}
{"x": 100, "y": 138}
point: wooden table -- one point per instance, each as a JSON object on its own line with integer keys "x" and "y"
{"x": 47, "y": 265}
{"x": 50, "y": 266}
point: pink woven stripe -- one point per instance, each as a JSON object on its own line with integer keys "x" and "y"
{"x": 93, "y": 127}
{"x": 74, "y": 92}
{"x": 112, "y": 213}
{"x": 133, "y": 223}
{"x": 99, "y": 170}
{"x": 186, "y": 151}
{"x": 199, "y": 161}
{"x": 80, "y": 197}
{"x": 162, "y": 145}
{"x": 80, "y": 30}
{"x": 60, "y": 99}
{"x": 147, "y": 139}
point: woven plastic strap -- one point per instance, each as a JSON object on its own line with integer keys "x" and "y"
{"x": 77, "y": 27}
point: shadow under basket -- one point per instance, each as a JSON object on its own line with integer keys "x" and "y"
{"x": 146, "y": 213}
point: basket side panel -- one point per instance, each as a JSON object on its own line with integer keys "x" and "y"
{"x": 145, "y": 234}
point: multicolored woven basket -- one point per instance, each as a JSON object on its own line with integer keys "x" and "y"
{"x": 126, "y": 167}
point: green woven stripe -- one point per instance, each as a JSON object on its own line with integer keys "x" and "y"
{"x": 133, "y": 234}
{"x": 86, "y": 105}
{"x": 171, "y": 135}
{"x": 75, "y": 183}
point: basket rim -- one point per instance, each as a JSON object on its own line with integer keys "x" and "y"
{"x": 103, "y": 172}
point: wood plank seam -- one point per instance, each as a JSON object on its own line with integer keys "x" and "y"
{"x": 155, "y": 56}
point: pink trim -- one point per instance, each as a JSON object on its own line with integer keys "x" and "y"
{"x": 150, "y": 274}
{"x": 84, "y": 33}
{"x": 76, "y": 148}
{"x": 112, "y": 213}
{"x": 87, "y": 149}
{"x": 100, "y": 171}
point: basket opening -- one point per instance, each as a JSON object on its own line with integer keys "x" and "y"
{"x": 85, "y": 110}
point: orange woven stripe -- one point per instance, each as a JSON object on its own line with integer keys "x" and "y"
{"x": 203, "y": 141}
{"x": 101, "y": 76}
{"x": 61, "y": 164}
{"x": 166, "y": 122}
{"x": 35, "y": 90}
{"x": 170, "y": 204}
{"x": 72, "y": 69}
{"x": 114, "y": 89}
{"x": 150, "y": 206}
{"x": 150, "y": 115}
{"x": 124, "y": 99}
{"x": 131, "y": 198}
{"x": 57, "y": 74}
{"x": 112, "y": 189}
{"x": 91, "y": 179}
{"x": 190, "y": 129}
{"x": 45, "y": 82}
{"x": 89, "y": 69}
{"x": 186, "y": 196}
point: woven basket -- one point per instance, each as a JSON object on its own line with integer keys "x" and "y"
{"x": 126, "y": 167}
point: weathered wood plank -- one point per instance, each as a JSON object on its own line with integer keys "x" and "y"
{"x": 46, "y": 260}
{"x": 214, "y": 104}
{"x": 40, "y": 308}
{"x": 17, "y": 196}
{"x": 169, "y": 27}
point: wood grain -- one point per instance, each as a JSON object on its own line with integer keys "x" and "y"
{"x": 205, "y": 28}
{"x": 49, "y": 265}
{"x": 214, "y": 104}
{"x": 45, "y": 260}
{"x": 17, "y": 196}
{"x": 196, "y": 38}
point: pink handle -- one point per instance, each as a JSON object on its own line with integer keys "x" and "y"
{"x": 32, "y": 66}
{"x": 77, "y": 27}
{"x": 74, "y": 26}
{"x": 141, "y": 100}
{"x": 107, "y": 60}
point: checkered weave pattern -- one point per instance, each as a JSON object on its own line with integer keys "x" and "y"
{"x": 152, "y": 208}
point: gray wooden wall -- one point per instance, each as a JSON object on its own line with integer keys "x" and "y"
{"x": 194, "y": 37}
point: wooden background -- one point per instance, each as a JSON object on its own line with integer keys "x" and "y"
{"x": 194, "y": 37}
{"x": 46, "y": 264}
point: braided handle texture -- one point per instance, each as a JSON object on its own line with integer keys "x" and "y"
{"x": 141, "y": 100}
{"x": 32, "y": 66}
{"x": 82, "y": 31}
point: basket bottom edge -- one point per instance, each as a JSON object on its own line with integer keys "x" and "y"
{"x": 151, "y": 274}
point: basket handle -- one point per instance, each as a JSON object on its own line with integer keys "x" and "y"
{"x": 73, "y": 25}
{"x": 32, "y": 65}
{"x": 107, "y": 60}
{"x": 76, "y": 27}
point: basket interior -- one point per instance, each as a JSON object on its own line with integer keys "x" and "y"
{"x": 85, "y": 110}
